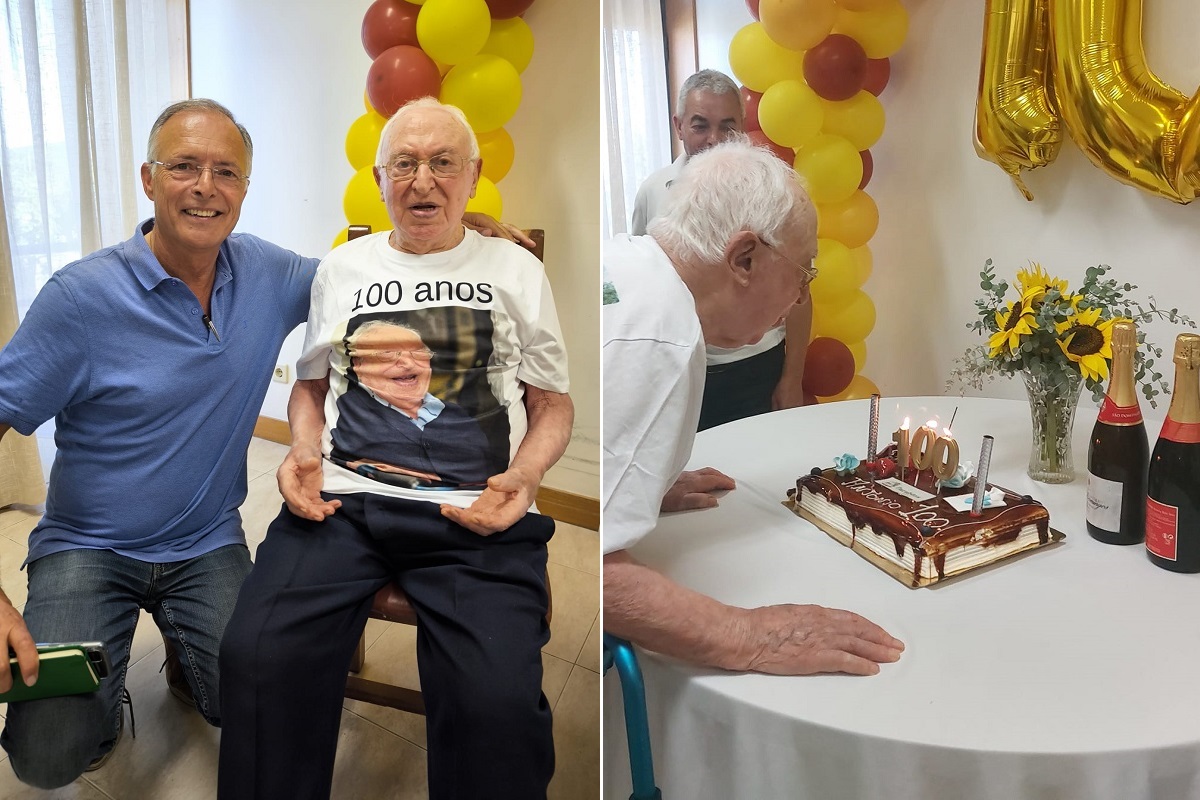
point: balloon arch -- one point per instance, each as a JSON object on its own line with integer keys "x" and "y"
{"x": 468, "y": 53}
{"x": 812, "y": 71}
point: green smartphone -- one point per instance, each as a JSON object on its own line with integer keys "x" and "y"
{"x": 64, "y": 668}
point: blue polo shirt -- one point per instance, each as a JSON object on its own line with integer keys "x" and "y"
{"x": 153, "y": 412}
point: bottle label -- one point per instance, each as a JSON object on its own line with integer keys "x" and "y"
{"x": 1104, "y": 503}
{"x": 1162, "y": 528}
{"x": 1113, "y": 414}
{"x": 1183, "y": 432}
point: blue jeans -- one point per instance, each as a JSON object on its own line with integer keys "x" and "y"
{"x": 96, "y": 595}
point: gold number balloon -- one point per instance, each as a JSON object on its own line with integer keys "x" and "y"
{"x": 1016, "y": 123}
{"x": 1080, "y": 63}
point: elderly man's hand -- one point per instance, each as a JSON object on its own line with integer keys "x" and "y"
{"x": 804, "y": 640}
{"x": 15, "y": 636}
{"x": 694, "y": 489}
{"x": 489, "y": 226}
{"x": 505, "y": 500}
{"x": 300, "y": 480}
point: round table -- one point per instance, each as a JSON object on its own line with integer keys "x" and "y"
{"x": 1071, "y": 672}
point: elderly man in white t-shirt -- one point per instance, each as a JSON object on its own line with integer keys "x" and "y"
{"x": 728, "y": 258}
{"x": 755, "y": 378}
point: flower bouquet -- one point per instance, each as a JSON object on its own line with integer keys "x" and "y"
{"x": 1058, "y": 340}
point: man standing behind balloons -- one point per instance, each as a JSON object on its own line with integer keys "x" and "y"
{"x": 766, "y": 375}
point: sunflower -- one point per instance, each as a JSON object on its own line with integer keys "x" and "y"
{"x": 1017, "y": 321}
{"x": 1036, "y": 282}
{"x": 1087, "y": 340}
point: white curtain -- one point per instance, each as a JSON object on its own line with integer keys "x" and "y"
{"x": 633, "y": 94}
{"x": 81, "y": 82}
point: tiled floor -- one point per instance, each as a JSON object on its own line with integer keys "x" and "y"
{"x": 381, "y": 751}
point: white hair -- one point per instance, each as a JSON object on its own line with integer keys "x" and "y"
{"x": 730, "y": 187}
{"x": 708, "y": 80}
{"x": 414, "y": 105}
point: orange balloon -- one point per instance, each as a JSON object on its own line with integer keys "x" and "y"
{"x": 861, "y": 388}
{"x": 797, "y": 24}
{"x": 881, "y": 30}
{"x": 864, "y": 263}
{"x": 497, "y": 151}
{"x": 852, "y": 222}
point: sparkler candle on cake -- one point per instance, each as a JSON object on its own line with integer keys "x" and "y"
{"x": 985, "y": 461}
{"x": 873, "y": 437}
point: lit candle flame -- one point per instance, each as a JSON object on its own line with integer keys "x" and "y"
{"x": 905, "y": 425}
{"x": 932, "y": 424}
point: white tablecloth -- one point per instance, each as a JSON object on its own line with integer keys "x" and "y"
{"x": 1072, "y": 672}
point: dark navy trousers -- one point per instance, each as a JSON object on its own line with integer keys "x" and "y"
{"x": 481, "y": 602}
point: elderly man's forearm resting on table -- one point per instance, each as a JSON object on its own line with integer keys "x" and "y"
{"x": 646, "y": 607}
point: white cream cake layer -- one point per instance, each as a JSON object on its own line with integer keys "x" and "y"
{"x": 833, "y": 519}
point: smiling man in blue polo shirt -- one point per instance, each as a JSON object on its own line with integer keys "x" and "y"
{"x": 153, "y": 358}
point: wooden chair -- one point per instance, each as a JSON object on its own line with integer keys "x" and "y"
{"x": 391, "y": 604}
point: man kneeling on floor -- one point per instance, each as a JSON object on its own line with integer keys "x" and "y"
{"x": 472, "y": 329}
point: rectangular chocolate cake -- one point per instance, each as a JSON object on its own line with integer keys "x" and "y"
{"x": 913, "y": 534}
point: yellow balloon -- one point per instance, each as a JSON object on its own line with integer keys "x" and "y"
{"x": 859, "y": 351}
{"x": 836, "y": 273}
{"x": 451, "y": 31}
{"x": 797, "y": 24}
{"x": 487, "y": 89}
{"x": 852, "y": 222}
{"x": 850, "y": 320}
{"x": 362, "y": 140}
{"x": 497, "y": 151}
{"x": 487, "y": 199}
{"x": 367, "y": 102}
{"x": 859, "y": 120}
{"x": 790, "y": 113}
{"x": 864, "y": 263}
{"x": 512, "y": 40}
{"x": 831, "y": 167}
{"x": 758, "y": 62}
{"x": 880, "y": 31}
{"x": 363, "y": 204}
{"x": 861, "y": 388}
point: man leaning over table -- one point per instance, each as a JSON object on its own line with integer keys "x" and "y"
{"x": 153, "y": 356}
{"x": 725, "y": 262}
{"x": 471, "y": 559}
{"x": 745, "y": 380}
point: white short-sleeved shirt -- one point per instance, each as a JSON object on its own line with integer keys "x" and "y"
{"x": 653, "y": 385}
{"x": 486, "y": 311}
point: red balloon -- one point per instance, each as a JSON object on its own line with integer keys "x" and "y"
{"x": 785, "y": 154}
{"x": 878, "y": 72}
{"x": 388, "y": 23}
{"x": 507, "y": 9}
{"x": 836, "y": 68}
{"x": 400, "y": 74}
{"x": 750, "y": 99}
{"x": 828, "y": 367}
{"x": 868, "y": 167}
{"x": 753, "y": 6}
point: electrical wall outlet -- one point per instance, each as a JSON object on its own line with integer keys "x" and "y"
{"x": 282, "y": 374}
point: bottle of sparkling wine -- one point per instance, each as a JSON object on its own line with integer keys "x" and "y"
{"x": 1119, "y": 452}
{"x": 1173, "y": 485}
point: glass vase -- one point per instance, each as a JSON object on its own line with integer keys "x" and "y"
{"x": 1053, "y": 398}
